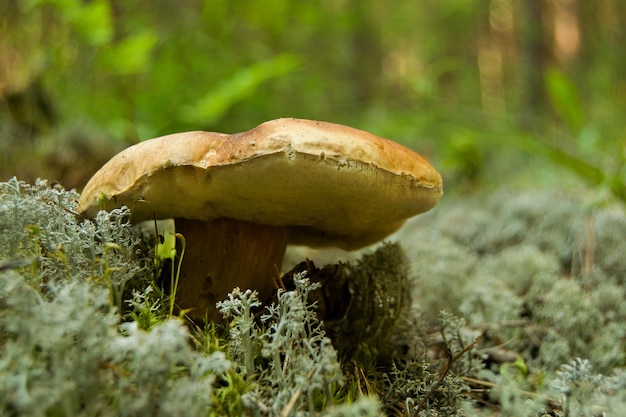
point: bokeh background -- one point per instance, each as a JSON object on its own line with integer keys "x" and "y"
{"x": 494, "y": 92}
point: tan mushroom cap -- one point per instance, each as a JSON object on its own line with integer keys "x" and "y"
{"x": 332, "y": 184}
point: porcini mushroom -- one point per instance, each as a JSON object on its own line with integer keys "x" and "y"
{"x": 240, "y": 199}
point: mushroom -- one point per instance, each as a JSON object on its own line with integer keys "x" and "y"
{"x": 240, "y": 199}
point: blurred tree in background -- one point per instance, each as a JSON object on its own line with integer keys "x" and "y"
{"x": 486, "y": 89}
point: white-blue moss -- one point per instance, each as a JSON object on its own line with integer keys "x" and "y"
{"x": 83, "y": 329}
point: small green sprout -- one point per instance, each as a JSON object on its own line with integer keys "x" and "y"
{"x": 102, "y": 200}
{"x": 176, "y": 278}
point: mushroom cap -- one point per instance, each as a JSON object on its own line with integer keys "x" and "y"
{"x": 332, "y": 184}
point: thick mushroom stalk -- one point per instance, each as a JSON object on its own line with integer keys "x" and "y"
{"x": 223, "y": 254}
{"x": 239, "y": 199}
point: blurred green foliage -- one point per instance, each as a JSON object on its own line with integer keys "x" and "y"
{"x": 479, "y": 87}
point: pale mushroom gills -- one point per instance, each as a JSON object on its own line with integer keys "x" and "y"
{"x": 240, "y": 199}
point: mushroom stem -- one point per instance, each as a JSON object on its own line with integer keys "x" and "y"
{"x": 223, "y": 254}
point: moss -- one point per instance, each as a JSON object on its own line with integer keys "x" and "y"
{"x": 381, "y": 297}
{"x": 533, "y": 283}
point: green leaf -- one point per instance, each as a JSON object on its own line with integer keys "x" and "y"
{"x": 132, "y": 55}
{"x": 240, "y": 86}
{"x": 91, "y": 21}
{"x": 565, "y": 99}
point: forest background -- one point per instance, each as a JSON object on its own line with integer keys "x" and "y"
{"x": 518, "y": 103}
{"x": 493, "y": 92}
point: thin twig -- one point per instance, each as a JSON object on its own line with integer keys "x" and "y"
{"x": 445, "y": 369}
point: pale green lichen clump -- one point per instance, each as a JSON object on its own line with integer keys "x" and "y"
{"x": 84, "y": 333}
{"x": 85, "y": 328}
